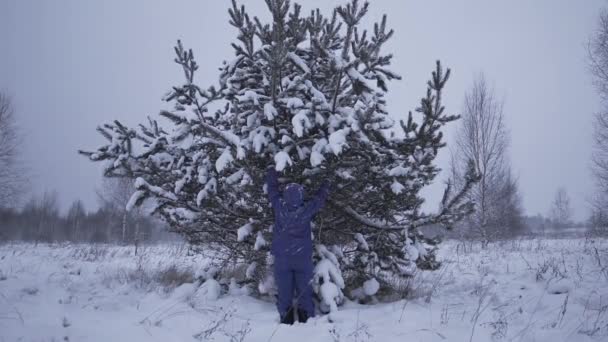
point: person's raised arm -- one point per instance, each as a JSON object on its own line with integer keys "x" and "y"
{"x": 272, "y": 187}
{"x": 317, "y": 202}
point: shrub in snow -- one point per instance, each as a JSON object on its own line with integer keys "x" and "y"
{"x": 327, "y": 280}
{"x": 367, "y": 292}
{"x": 209, "y": 290}
{"x": 307, "y": 95}
{"x": 206, "y": 272}
{"x": 173, "y": 276}
{"x": 235, "y": 290}
{"x": 267, "y": 285}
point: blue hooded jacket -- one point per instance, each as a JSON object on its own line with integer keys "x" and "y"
{"x": 292, "y": 232}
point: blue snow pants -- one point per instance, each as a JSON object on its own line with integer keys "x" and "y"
{"x": 293, "y": 279}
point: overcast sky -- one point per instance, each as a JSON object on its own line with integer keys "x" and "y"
{"x": 73, "y": 64}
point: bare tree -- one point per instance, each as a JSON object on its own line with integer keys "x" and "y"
{"x": 74, "y": 221}
{"x": 598, "y": 218}
{"x": 561, "y": 211}
{"x": 599, "y": 169}
{"x": 43, "y": 216}
{"x": 509, "y": 212}
{"x": 598, "y": 54}
{"x": 483, "y": 138}
{"x": 598, "y": 62}
{"x": 114, "y": 194}
{"x": 11, "y": 174}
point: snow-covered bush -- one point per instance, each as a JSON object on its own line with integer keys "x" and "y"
{"x": 306, "y": 94}
{"x": 327, "y": 281}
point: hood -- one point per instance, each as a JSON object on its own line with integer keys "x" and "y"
{"x": 293, "y": 196}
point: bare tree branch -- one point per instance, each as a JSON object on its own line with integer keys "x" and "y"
{"x": 12, "y": 180}
{"x": 483, "y": 139}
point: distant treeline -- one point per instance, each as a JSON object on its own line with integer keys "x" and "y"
{"x": 40, "y": 220}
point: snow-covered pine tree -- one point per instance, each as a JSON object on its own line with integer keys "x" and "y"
{"x": 307, "y": 95}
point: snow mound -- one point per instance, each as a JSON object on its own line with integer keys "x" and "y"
{"x": 328, "y": 281}
{"x": 371, "y": 287}
{"x": 330, "y": 294}
{"x": 210, "y": 290}
{"x": 235, "y": 290}
{"x": 267, "y": 286}
{"x": 560, "y": 287}
{"x": 184, "y": 292}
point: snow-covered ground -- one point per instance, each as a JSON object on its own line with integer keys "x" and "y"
{"x": 532, "y": 290}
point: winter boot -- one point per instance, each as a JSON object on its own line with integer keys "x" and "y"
{"x": 288, "y": 317}
{"x": 302, "y": 316}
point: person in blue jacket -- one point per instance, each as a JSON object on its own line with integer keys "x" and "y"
{"x": 292, "y": 245}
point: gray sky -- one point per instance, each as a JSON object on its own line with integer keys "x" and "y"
{"x": 71, "y": 65}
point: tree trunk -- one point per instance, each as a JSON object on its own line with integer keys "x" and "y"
{"x": 124, "y": 227}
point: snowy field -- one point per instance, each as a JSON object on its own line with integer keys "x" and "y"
{"x": 529, "y": 290}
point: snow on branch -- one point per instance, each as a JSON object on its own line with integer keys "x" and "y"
{"x": 141, "y": 184}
